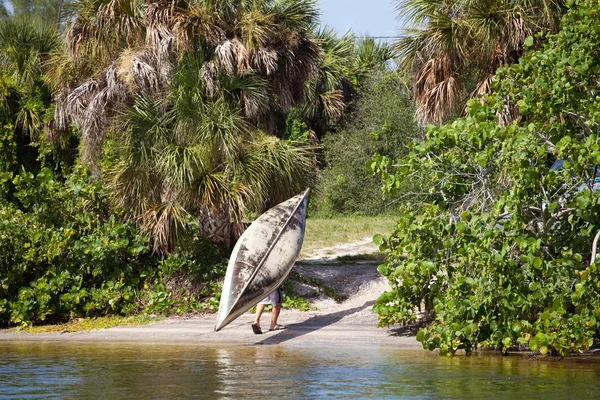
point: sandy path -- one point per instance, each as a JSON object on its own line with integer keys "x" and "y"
{"x": 349, "y": 322}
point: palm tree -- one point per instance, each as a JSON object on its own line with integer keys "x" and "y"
{"x": 203, "y": 83}
{"x": 453, "y": 39}
{"x": 325, "y": 97}
{"x": 346, "y": 63}
{"x": 371, "y": 56}
{"x": 116, "y": 48}
{"x": 24, "y": 96}
{"x": 184, "y": 156}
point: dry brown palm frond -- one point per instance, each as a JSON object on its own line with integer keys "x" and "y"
{"x": 441, "y": 100}
{"x": 254, "y": 108}
{"x": 241, "y": 56}
{"x": 80, "y": 31}
{"x": 264, "y": 60}
{"x": 164, "y": 65}
{"x": 121, "y": 18}
{"x": 158, "y": 20}
{"x": 116, "y": 90}
{"x": 61, "y": 114}
{"x": 484, "y": 87}
{"x": 516, "y": 29}
{"x": 92, "y": 125}
{"x": 225, "y": 57}
{"x": 209, "y": 75}
{"x": 94, "y": 116}
{"x": 333, "y": 104}
{"x": 146, "y": 77}
{"x": 134, "y": 69}
{"x": 232, "y": 56}
{"x": 162, "y": 223}
{"x": 160, "y": 37}
{"x": 437, "y": 87}
{"x": 78, "y": 99}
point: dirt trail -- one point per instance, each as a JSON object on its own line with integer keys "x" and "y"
{"x": 356, "y": 282}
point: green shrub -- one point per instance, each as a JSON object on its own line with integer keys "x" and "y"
{"x": 500, "y": 249}
{"x": 383, "y": 123}
{"x": 64, "y": 252}
{"x": 188, "y": 281}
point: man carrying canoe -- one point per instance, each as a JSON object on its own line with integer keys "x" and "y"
{"x": 275, "y": 299}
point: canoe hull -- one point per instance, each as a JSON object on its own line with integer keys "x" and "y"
{"x": 262, "y": 258}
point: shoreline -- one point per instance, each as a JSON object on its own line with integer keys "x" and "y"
{"x": 304, "y": 328}
{"x": 349, "y": 322}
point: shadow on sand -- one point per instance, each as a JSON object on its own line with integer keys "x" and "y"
{"x": 313, "y": 324}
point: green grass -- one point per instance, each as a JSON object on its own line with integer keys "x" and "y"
{"x": 328, "y": 232}
{"x": 374, "y": 257}
{"x": 88, "y": 324}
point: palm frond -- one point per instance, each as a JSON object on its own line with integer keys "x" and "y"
{"x": 264, "y": 60}
{"x": 296, "y": 15}
{"x": 162, "y": 223}
{"x": 252, "y": 90}
{"x": 437, "y": 89}
{"x": 222, "y": 127}
{"x": 449, "y": 38}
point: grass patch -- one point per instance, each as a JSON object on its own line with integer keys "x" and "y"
{"x": 376, "y": 256}
{"x": 328, "y": 232}
{"x": 88, "y": 324}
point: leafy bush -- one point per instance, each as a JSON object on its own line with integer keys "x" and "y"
{"x": 383, "y": 123}
{"x": 64, "y": 252}
{"x": 500, "y": 248}
{"x": 188, "y": 281}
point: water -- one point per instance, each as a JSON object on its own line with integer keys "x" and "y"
{"x": 111, "y": 371}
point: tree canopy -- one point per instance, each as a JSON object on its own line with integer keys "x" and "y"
{"x": 192, "y": 95}
{"x": 452, "y": 43}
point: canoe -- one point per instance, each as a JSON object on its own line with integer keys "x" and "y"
{"x": 262, "y": 258}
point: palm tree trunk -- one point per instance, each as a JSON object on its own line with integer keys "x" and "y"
{"x": 215, "y": 224}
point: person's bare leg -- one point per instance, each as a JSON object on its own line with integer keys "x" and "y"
{"x": 275, "y": 315}
{"x": 259, "y": 310}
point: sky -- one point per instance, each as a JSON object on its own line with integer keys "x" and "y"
{"x": 372, "y": 17}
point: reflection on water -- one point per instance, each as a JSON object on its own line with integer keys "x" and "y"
{"x": 74, "y": 370}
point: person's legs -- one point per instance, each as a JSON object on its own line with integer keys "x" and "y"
{"x": 275, "y": 315}
{"x": 259, "y": 310}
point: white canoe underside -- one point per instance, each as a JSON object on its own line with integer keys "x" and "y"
{"x": 262, "y": 258}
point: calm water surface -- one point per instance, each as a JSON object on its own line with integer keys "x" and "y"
{"x": 110, "y": 371}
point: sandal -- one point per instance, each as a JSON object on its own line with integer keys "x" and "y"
{"x": 256, "y": 329}
{"x": 278, "y": 328}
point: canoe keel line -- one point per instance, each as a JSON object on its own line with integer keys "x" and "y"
{"x": 262, "y": 258}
